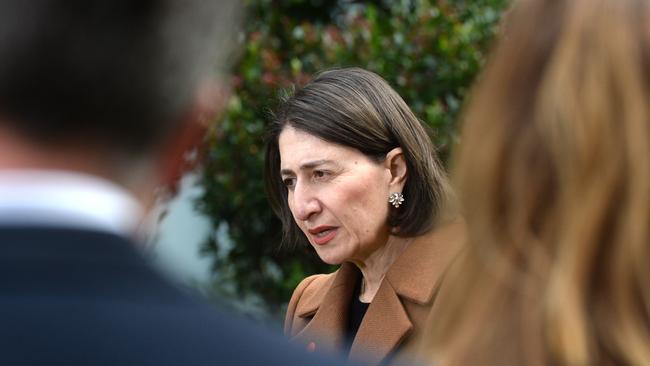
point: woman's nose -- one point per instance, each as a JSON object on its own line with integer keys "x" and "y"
{"x": 305, "y": 202}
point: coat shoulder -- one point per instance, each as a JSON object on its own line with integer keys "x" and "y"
{"x": 306, "y": 298}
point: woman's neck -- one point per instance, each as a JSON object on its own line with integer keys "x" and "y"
{"x": 375, "y": 266}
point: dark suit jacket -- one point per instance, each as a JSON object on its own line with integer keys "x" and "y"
{"x": 72, "y": 297}
{"x": 317, "y": 312}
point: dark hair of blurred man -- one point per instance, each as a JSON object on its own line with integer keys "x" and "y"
{"x": 98, "y": 102}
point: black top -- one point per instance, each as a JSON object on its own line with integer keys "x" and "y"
{"x": 77, "y": 297}
{"x": 356, "y": 312}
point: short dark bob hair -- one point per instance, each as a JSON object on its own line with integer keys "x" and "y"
{"x": 357, "y": 108}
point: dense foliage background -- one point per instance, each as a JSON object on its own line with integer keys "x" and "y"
{"x": 429, "y": 51}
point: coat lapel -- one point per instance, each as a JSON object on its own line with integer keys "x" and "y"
{"x": 383, "y": 327}
{"x": 327, "y": 327}
{"x": 414, "y": 277}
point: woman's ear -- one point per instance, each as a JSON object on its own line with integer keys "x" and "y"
{"x": 396, "y": 164}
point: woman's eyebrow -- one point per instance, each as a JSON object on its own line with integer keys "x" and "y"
{"x": 312, "y": 164}
{"x": 308, "y": 165}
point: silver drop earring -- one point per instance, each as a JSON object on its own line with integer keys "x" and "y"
{"x": 396, "y": 199}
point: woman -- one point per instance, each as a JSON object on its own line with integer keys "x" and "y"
{"x": 350, "y": 169}
{"x": 554, "y": 182}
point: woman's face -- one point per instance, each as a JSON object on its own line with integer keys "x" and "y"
{"x": 337, "y": 195}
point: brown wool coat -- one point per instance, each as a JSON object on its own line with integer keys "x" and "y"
{"x": 317, "y": 312}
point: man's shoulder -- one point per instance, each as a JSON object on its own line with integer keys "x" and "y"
{"x": 89, "y": 298}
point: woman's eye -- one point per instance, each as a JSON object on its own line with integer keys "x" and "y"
{"x": 318, "y": 174}
{"x": 289, "y": 182}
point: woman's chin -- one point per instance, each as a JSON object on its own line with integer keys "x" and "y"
{"x": 331, "y": 260}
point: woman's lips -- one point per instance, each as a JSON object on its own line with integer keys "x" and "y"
{"x": 323, "y": 234}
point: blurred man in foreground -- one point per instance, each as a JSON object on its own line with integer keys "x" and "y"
{"x": 98, "y": 102}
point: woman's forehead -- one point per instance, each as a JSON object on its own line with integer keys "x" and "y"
{"x": 300, "y": 149}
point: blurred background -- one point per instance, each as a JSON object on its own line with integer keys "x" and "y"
{"x": 218, "y": 235}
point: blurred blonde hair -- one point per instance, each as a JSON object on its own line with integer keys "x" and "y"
{"x": 553, "y": 175}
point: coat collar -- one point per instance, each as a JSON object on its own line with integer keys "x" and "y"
{"x": 414, "y": 276}
{"x": 329, "y": 309}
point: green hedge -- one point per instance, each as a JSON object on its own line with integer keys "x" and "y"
{"x": 430, "y": 52}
